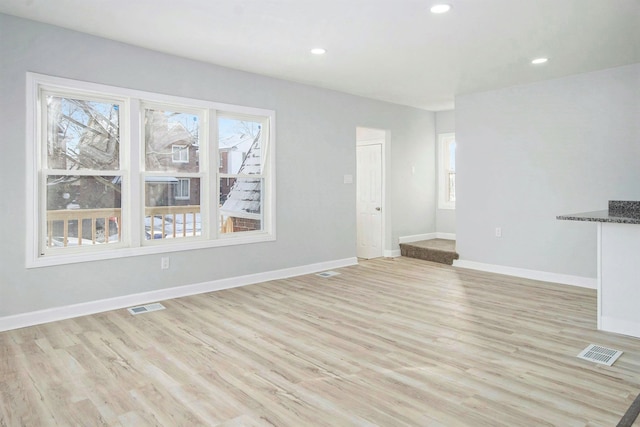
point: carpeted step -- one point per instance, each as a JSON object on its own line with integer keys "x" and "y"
{"x": 420, "y": 250}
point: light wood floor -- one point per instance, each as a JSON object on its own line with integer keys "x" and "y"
{"x": 390, "y": 342}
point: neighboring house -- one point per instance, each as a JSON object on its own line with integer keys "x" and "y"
{"x": 170, "y": 147}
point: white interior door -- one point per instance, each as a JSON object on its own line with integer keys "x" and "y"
{"x": 369, "y": 205}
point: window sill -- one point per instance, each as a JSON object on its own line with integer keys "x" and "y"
{"x": 124, "y": 252}
{"x": 447, "y": 207}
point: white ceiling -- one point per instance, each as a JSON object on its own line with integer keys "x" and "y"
{"x": 392, "y": 50}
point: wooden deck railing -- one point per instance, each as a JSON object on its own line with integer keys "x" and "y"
{"x": 98, "y": 235}
{"x": 174, "y": 212}
{"x": 162, "y": 218}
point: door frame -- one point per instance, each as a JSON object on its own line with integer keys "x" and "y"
{"x": 373, "y": 136}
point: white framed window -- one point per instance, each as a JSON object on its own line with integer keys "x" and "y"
{"x": 171, "y": 210}
{"x": 447, "y": 171}
{"x": 117, "y": 172}
{"x": 180, "y": 153}
{"x": 81, "y": 170}
{"x": 183, "y": 189}
{"x": 242, "y": 177}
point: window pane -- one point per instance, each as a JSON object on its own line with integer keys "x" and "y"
{"x": 172, "y": 207}
{"x": 241, "y": 204}
{"x": 452, "y": 155}
{"x": 452, "y": 186}
{"x": 446, "y": 171}
{"x": 171, "y": 141}
{"x": 240, "y": 146}
{"x": 180, "y": 153}
{"x": 451, "y": 191}
{"x": 82, "y": 134}
{"x": 83, "y": 210}
{"x": 183, "y": 189}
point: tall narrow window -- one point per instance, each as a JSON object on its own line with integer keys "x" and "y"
{"x": 447, "y": 171}
{"x": 241, "y": 146}
{"x": 172, "y": 168}
{"x": 82, "y": 173}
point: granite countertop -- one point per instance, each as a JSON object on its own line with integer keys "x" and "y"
{"x": 621, "y": 212}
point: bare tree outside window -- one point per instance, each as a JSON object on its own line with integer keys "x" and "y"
{"x": 83, "y": 155}
{"x": 116, "y": 169}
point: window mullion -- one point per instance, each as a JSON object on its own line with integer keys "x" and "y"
{"x": 40, "y": 163}
{"x": 268, "y": 171}
{"x": 213, "y": 179}
{"x": 133, "y": 167}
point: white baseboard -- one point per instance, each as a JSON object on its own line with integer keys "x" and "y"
{"x": 446, "y": 236}
{"x": 416, "y": 238}
{"x": 566, "y": 279}
{"x": 392, "y": 253}
{"x": 620, "y": 326}
{"x": 426, "y": 236}
{"x": 92, "y": 307}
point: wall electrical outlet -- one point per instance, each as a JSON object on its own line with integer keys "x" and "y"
{"x": 498, "y": 232}
{"x": 164, "y": 263}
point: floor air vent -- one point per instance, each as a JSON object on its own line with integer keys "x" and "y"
{"x": 599, "y": 354}
{"x": 146, "y": 308}
{"x": 327, "y": 274}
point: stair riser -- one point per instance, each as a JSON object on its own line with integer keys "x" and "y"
{"x": 433, "y": 255}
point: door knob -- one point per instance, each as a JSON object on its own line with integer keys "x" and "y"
{"x": 378, "y": 208}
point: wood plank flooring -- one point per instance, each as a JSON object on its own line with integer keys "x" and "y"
{"x": 390, "y": 342}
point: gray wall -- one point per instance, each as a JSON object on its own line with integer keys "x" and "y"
{"x": 445, "y": 218}
{"x": 413, "y": 180}
{"x": 528, "y": 153}
{"x": 315, "y": 148}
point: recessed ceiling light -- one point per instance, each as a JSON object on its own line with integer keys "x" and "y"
{"x": 318, "y": 51}
{"x": 440, "y": 8}
{"x": 539, "y": 61}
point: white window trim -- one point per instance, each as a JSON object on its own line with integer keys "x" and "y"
{"x": 123, "y": 172}
{"x": 132, "y": 165}
{"x": 443, "y": 140}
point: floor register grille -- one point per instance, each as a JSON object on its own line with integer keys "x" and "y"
{"x": 145, "y": 308}
{"x": 599, "y": 354}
